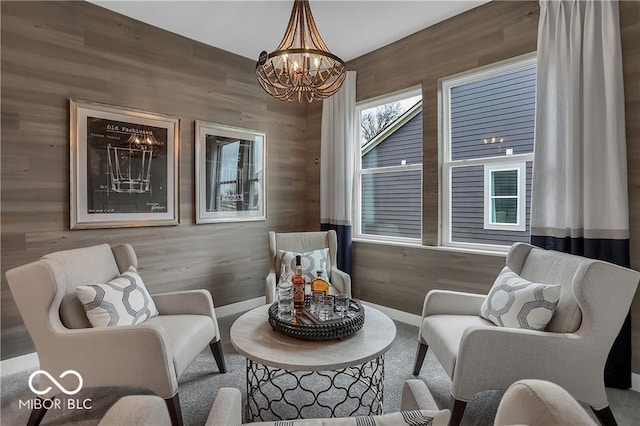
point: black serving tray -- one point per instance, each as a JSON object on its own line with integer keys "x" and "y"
{"x": 308, "y": 327}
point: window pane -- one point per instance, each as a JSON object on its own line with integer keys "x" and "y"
{"x": 392, "y": 134}
{"x": 504, "y": 182}
{"x": 492, "y": 115}
{"x": 504, "y": 210}
{"x": 391, "y": 204}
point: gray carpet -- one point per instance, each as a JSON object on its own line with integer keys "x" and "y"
{"x": 199, "y": 384}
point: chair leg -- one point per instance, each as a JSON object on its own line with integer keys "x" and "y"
{"x": 37, "y": 414}
{"x": 216, "y": 349}
{"x": 457, "y": 411}
{"x": 605, "y": 416}
{"x": 173, "y": 405}
{"x": 420, "y": 354}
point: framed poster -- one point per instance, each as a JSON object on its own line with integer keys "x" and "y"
{"x": 230, "y": 173}
{"x": 124, "y": 167}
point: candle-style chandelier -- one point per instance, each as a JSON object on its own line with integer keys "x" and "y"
{"x": 301, "y": 67}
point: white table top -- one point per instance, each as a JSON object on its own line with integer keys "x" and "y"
{"x": 253, "y": 337}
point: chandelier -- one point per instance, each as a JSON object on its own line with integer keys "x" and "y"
{"x": 301, "y": 67}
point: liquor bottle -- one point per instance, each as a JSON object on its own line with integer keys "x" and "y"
{"x": 320, "y": 283}
{"x": 298, "y": 286}
{"x": 285, "y": 295}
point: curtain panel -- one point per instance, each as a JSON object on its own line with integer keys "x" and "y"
{"x": 580, "y": 193}
{"x": 338, "y": 150}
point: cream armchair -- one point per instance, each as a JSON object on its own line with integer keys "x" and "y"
{"x": 526, "y": 402}
{"x": 540, "y": 403}
{"x": 417, "y": 405}
{"x": 151, "y": 355}
{"x": 572, "y": 350}
{"x": 302, "y": 242}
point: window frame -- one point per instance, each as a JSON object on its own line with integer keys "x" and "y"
{"x": 359, "y": 171}
{"x": 445, "y": 158}
{"x": 521, "y": 201}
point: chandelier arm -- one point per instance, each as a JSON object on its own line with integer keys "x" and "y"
{"x": 302, "y": 17}
{"x": 316, "y": 39}
{"x": 287, "y": 41}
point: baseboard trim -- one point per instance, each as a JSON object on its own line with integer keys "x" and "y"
{"x": 19, "y": 363}
{"x": 236, "y": 308}
{"x": 397, "y": 315}
{"x": 635, "y": 382}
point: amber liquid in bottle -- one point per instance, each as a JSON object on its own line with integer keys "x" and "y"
{"x": 319, "y": 285}
{"x": 298, "y": 287}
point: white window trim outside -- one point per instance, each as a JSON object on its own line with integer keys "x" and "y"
{"x": 446, "y": 164}
{"x": 520, "y": 197}
{"x": 359, "y": 172}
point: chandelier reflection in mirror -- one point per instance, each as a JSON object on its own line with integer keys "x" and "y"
{"x": 301, "y": 67}
{"x": 129, "y": 165}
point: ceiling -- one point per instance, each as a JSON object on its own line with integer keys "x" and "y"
{"x": 349, "y": 28}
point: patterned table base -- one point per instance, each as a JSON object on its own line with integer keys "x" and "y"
{"x": 277, "y": 394}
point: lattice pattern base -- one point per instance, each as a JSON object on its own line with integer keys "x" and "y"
{"x": 277, "y": 394}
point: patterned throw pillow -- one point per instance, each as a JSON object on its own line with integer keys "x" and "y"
{"x": 122, "y": 301}
{"x": 310, "y": 261}
{"x": 516, "y": 302}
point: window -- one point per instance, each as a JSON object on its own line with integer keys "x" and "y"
{"x": 488, "y": 118}
{"x": 389, "y": 174}
{"x": 504, "y": 196}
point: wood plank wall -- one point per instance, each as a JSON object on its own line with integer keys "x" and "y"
{"x": 399, "y": 277}
{"x": 53, "y": 51}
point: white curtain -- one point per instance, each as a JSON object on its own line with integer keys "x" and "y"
{"x": 579, "y": 198}
{"x": 338, "y": 152}
{"x": 580, "y": 186}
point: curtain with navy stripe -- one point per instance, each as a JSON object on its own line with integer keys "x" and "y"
{"x": 337, "y": 166}
{"x": 579, "y": 197}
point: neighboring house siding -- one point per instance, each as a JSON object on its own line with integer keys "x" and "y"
{"x": 403, "y": 144}
{"x": 467, "y": 209}
{"x": 501, "y": 106}
{"x": 392, "y": 202}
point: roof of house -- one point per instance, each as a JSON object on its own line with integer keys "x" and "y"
{"x": 391, "y": 128}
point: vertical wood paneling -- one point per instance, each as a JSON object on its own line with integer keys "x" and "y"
{"x": 53, "y": 51}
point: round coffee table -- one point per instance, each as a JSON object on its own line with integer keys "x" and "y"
{"x": 290, "y": 378}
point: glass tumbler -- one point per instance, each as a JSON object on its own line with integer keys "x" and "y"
{"x": 325, "y": 308}
{"x": 342, "y": 304}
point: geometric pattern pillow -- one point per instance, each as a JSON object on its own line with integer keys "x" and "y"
{"x": 518, "y": 303}
{"x": 311, "y": 262}
{"x": 122, "y": 301}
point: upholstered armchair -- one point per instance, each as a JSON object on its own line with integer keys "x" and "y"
{"x": 571, "y": 351}
{"x": 417, "y": 405}
{"x": 151, "y": 355}
{"x": 540, "y": 403}
{"x": 526, "y": 402}
{"x": 302, "y": 242}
